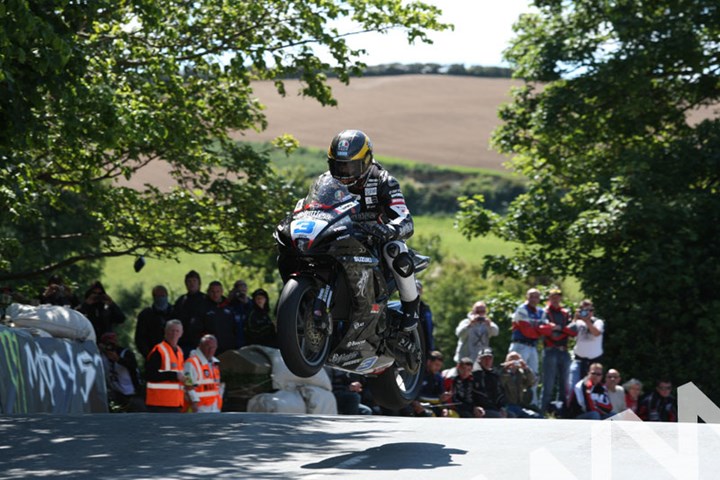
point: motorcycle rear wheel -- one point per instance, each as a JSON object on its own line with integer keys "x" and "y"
{"x": 396, "y": 387}
{"x": 303, "y": 347}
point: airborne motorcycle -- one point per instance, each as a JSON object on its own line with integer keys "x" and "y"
{"x": 334, "y": 309}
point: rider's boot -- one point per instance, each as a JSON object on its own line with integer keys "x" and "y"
{"x": 410, "y": 317}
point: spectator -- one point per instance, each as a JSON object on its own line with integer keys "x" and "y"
{"x": 201, "y": 371}
{"x": 462, "y": 391}
{"x": 426, "y": 320}
{"x": 121, "y": 375}
{"x": 100, "y": 309}
{"x": 529, "y": 323}
{"x": 633, "y": 390}
{"x": 589, "y": 398}
{"x": 556, "y": 359}
{"x": 589, "y": 343}
{"x": 190, "y": 309}
{"x": 659, "y": 405}
{"x": 474, "y": 332}
{"x": 433, "y": 390}
{"x": 517, "y": 379}
{"x": 150, "y": 328}
{"x": 259, "y": 328}
{"x": 219, "y": 319}
{"x": 164, "y": 372}
{"x": 347, "y": 388}
{"x": 57, "y": 293}
{"x": 487, "y": 388}
{"x": 240, "y": 304}
{"x": 615, "y": 391}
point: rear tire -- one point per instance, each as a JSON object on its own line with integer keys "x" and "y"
{"x": 303, "y": 347}
{"x": 396, "y": 387}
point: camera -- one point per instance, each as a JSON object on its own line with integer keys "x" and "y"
{"x": 583, "y": 313}
{"x": 516, "y": 363}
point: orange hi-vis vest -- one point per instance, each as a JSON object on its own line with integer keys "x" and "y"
{"x": 208, "y": 381}
{"x": 168, "y": 393}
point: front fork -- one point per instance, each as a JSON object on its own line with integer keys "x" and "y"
{"x": 321, "y": 309}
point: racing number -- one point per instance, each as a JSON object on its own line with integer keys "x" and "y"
{"x": 304, "y": 227}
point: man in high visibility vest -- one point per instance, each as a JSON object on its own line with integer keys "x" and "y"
{"x": 202, "y": 368}
{"x": 165, "y": 389}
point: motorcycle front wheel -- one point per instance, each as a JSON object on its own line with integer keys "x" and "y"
{"x": 304, "y": 348}
{"x": 396, "y": 387}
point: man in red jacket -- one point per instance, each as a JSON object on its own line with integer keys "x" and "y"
{"x": 529, "y": 323}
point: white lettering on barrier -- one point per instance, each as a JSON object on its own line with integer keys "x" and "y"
{"x": 40, "y": 372}
{"x": 44, "y": 371}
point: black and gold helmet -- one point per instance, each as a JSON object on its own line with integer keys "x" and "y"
{"x": 350, "y": 156}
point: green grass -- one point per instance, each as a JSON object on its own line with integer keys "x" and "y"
{"x": 452, "y": 242}
{"x": 118, "y": 273}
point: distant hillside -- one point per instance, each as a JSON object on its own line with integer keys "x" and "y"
{"x": 434, "y": 119}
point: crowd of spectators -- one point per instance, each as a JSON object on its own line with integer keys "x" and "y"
{"x": 179, "y": 342}
{"x": 574, "y": 381}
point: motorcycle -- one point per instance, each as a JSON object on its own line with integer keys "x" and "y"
{"x": 334, "y": 308}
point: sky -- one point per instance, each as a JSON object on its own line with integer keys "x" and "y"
{"x": 483, "y": 29}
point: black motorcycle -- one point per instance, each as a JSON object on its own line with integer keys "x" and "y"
{"x": 334, "y": 307}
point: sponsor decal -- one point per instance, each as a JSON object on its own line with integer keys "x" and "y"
{"x": 343, "y": 145}
{"x": 314, "y": 214}
{"x": 343, "y": 237}
{"x": 345, "y": 207}
{"x": 358, "y": 325}
{"x": 367, "y": 364}
{"x": 355, "y": 343}
{"x": 362, "y": 283}
{"x": 344, "y": 357}
{"x": 370, "y": 200}
{"x": 371, "y": 191}
{"x": 375, "y": 309}
{"x": 352, "y": 362}
{"x": 364, "y": 259}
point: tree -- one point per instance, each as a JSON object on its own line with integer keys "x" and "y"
{"x": 624, "y": 186}
{"x": 91, "y": 93}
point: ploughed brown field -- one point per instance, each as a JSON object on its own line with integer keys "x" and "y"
{"x": 435, "y": 119}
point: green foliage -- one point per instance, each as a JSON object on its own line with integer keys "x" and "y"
{"x": 92, "y": 92}
{"x": 623, "y": 190}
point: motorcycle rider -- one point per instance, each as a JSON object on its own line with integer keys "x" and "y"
{"x": 383, "y": 211}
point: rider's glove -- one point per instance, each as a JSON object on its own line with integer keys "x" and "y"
{"x": 384, "y": 233}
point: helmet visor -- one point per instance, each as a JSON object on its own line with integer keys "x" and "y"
{"x": 346, "y": 169}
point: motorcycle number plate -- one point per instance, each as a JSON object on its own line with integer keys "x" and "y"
{"x": 306, "y": 228}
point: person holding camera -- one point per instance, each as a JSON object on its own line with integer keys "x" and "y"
{"x": 474, "y": 332}
{"x": 589, "y": 344}
{"x": 122, "y": 376}
{"x": 57, "y": 293}
{"x": 517, "y": 379}
{"x": 100, "y": 309}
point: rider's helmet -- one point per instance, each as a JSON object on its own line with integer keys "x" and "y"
{"x": 350, "y": 156}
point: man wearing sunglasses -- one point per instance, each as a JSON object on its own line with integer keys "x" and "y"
{"x": 589, "y": 398}
{"x": 660, "y": 405}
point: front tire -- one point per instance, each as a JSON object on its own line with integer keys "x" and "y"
{"x": 303, "y": 347}
{"x": 396, "y": 387}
